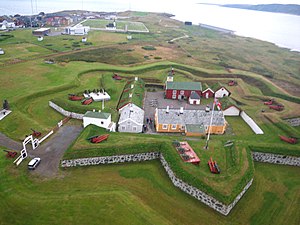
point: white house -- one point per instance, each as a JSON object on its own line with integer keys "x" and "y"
{"x": 5, "y": 25}
{"x": 1, "y": 51}
{"x": 232, "y": 111}
{"x": 99, "y": 119}
{"x": 194, "y": 98}
{"x": 77, "y": 30}
{"x": 131, "y": 119}
{"x": 222, "y": 92}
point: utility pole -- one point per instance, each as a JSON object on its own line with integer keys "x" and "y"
{"x": 209, "y": 129}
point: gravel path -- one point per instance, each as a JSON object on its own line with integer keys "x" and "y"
{"x": 9, "y": 143}
{"x": 52, "y": 150}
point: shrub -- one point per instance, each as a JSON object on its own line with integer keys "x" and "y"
{"x": 157, "y": 57}
{"x": 149, "y": 48}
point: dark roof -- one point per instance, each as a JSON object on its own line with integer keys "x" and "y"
{"x": 192, "y": 86}
{"x": 194, "y": 95}
{"x": 110, "y": 25}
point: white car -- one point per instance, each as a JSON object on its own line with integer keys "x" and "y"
{"x": 34, "y": 163}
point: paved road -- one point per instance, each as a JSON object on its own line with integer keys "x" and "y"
{"x": 52, "y": 150}
{"x": 9, "y": 143}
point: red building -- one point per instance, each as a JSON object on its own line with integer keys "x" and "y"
{"x": 208, "y": 93}
{"x": 182, "y": 90}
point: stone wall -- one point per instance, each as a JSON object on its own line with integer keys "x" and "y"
{"x": 110, "y": 159}
{"x": 201, "y": 196}
{"x": 196, "y": 193}
{"x": 65, "y": 112}
{"x": 276, "y": 159}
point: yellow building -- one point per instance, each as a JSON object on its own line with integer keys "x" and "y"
{"x": 189, "y": 121}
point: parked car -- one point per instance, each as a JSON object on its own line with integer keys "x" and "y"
{"x": 34, "y": 163}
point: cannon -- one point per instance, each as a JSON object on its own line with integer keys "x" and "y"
{"x": 35, "y": 133}
{"x": 98, "y": 138}
{"x": 10, "y": 154}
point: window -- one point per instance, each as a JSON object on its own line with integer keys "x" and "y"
{"x": 134, "y": 128}
{"x": 165, "y": 126}
{"x": 102, "y": 122}
{"x": 174, "y": 92}
{"x": 122, "y": 127}
{"x": 182, "y": 92}
{"x": 182, "y": 127}
{"x": 173, "y": 96}
{"x": 174, "y": 126}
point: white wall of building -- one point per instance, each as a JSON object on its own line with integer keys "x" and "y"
{"x": 192, "y": 101}
{"x": 96, "y": 121}
{"x": 222, "y": 92}
{"x": 251, "y": 123}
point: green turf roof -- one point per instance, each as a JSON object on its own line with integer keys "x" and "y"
{"x": 137, "y": 93}
{"x": 216, "y": 86}
{"x": 192, "y": 86}
{"x": 192, "y": 128}
{"x": 99, "y": 115}
{"x": 227, "y": 102}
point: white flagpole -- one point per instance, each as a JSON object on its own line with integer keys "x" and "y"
{"x": 209, "y": 129}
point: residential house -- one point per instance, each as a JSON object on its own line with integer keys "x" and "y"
{"x": 194, "y": 98}
{"x": 220, "y": 90}
{"x": 207, "y": 91}
{"x": 99, "y": 119}
{"x": 182, "y": 90}
{"x": 189, "y": 121}
{"x": 131, "y": 119}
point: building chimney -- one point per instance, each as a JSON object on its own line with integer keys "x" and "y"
{"x": 136, "y": 78}
{"x": 181, "y": 110}
{"x": 168, "y": 109}
{"x": 130, "y": 95}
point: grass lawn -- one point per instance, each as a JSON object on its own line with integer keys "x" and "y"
{"x": 98, "y": 23}
{"x": 136, "y": 193}
{"x": 234, "y": 162}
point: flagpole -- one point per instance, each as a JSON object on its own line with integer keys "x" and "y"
{"x": 209, "y": 129}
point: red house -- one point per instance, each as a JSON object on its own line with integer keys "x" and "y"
{"x": 208, "y": 93}
{"x": 182, "y": 90}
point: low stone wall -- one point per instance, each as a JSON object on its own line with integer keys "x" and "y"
{"x": 110, "y": 159}
{"x": 196, "y": 193}
{"x": 201, "y": 196}
{"x": 65, "y": 112}
{"x": 276, "y": 159}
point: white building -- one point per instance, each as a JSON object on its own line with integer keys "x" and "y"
{"x": 77, "y": 30}
{"x": 222, "y": 92}
{"x": 194, "y": 98}
{"x": 131, "y": 119}
{"x": 98, "y": 96}
{"x": 232, "y": 111}
{"x": 6, "y": 25}
{"x": 1, "y": 51}
{"x": 99, "y": 119}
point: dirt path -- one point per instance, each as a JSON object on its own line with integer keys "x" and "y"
{"x": 52, "y": 151}
{"x": 9, "y": 143}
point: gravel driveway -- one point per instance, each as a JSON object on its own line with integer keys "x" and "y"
{"x": 52, "y": 150}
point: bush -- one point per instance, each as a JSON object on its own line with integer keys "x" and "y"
{"x": 149, "y": 48}
{"x": 157, "y": 57}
